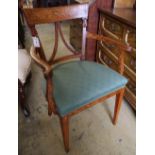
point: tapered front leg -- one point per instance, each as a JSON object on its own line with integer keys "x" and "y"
{"x": 118, "y": 103}
{"x": 64, "y": 121}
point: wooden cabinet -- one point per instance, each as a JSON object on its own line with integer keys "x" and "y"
{"x": 116, "y": 28}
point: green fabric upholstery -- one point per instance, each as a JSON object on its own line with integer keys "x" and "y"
{"x": 80, "y": 82}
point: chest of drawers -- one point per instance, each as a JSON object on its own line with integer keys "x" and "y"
{"x": 117, "y": 26}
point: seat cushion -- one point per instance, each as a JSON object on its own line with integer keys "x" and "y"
{"x": 78, "y": 83}
{"x": 24, "y": 65}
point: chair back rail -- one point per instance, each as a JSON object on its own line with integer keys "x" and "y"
{"x": 55, "y": 14}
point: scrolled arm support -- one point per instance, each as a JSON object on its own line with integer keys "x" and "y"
{"x": 109, "y": 40}
{"x": 42, "y": 63}
{"x": 121, "y": 46}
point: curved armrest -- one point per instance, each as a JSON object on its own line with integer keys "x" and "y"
{"x": 122, "y": 47}
{"x": 41, "y": 62}
{"x": 109, "y": 40}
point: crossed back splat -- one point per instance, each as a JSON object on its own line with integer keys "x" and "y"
{"x": 56, "y": 15}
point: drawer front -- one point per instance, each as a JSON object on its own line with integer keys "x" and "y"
{"x": 130, "y": 61}
{"x": 112, "y": 27}
{"x": 130, "y": 57}
{"x": 131, "y": 85}
{"x": 108, "y": 54}
{"x": 111, "y": 47}
{"x": 126, "y": 35}
{"x": 130, "y": 39}
{"x": 130, "y": 97}
{"x": 104, "y": 56}
{"x": 130, "y": 36}
{"x": 129, "y": 71}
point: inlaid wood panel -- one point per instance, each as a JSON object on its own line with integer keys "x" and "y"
{"x": 104, "y": 58}
{"x": 130, "y": 61}
{"x": 131, "y": 36}
{"x": 107, "y": 54}
{"x": 112, "y": 27}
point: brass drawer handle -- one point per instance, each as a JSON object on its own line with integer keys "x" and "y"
{"x": 99, "y": 56}
{"x": 126, "y": 38}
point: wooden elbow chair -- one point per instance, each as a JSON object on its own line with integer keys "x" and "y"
{"x": 77, "y": 85}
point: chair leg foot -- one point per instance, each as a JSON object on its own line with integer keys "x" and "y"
{"x": 64, "y": 121}
{"x": 118, "y": 103}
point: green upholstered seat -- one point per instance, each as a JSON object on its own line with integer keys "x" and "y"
{"x": 80, "y": 82}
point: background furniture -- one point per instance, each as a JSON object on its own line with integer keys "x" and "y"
{"x": 24, "y": 75}
{"x": 75, "y": 86}
{"x": 76, "y": 28}
{"x": 93, "y": 17}
{"x": 119, "y": 24}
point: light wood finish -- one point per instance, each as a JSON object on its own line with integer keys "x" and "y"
{"x": 48, "y": 65}
{"x": 64, "y": 121}
{"x": 108, "y": 40}
{"x": 40, "y": 61}
{"x": 49, "y": 96}
{"x": 55, "y": 14}
{"x": 118, "y": 103}
{"x": 99, "y": 100}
